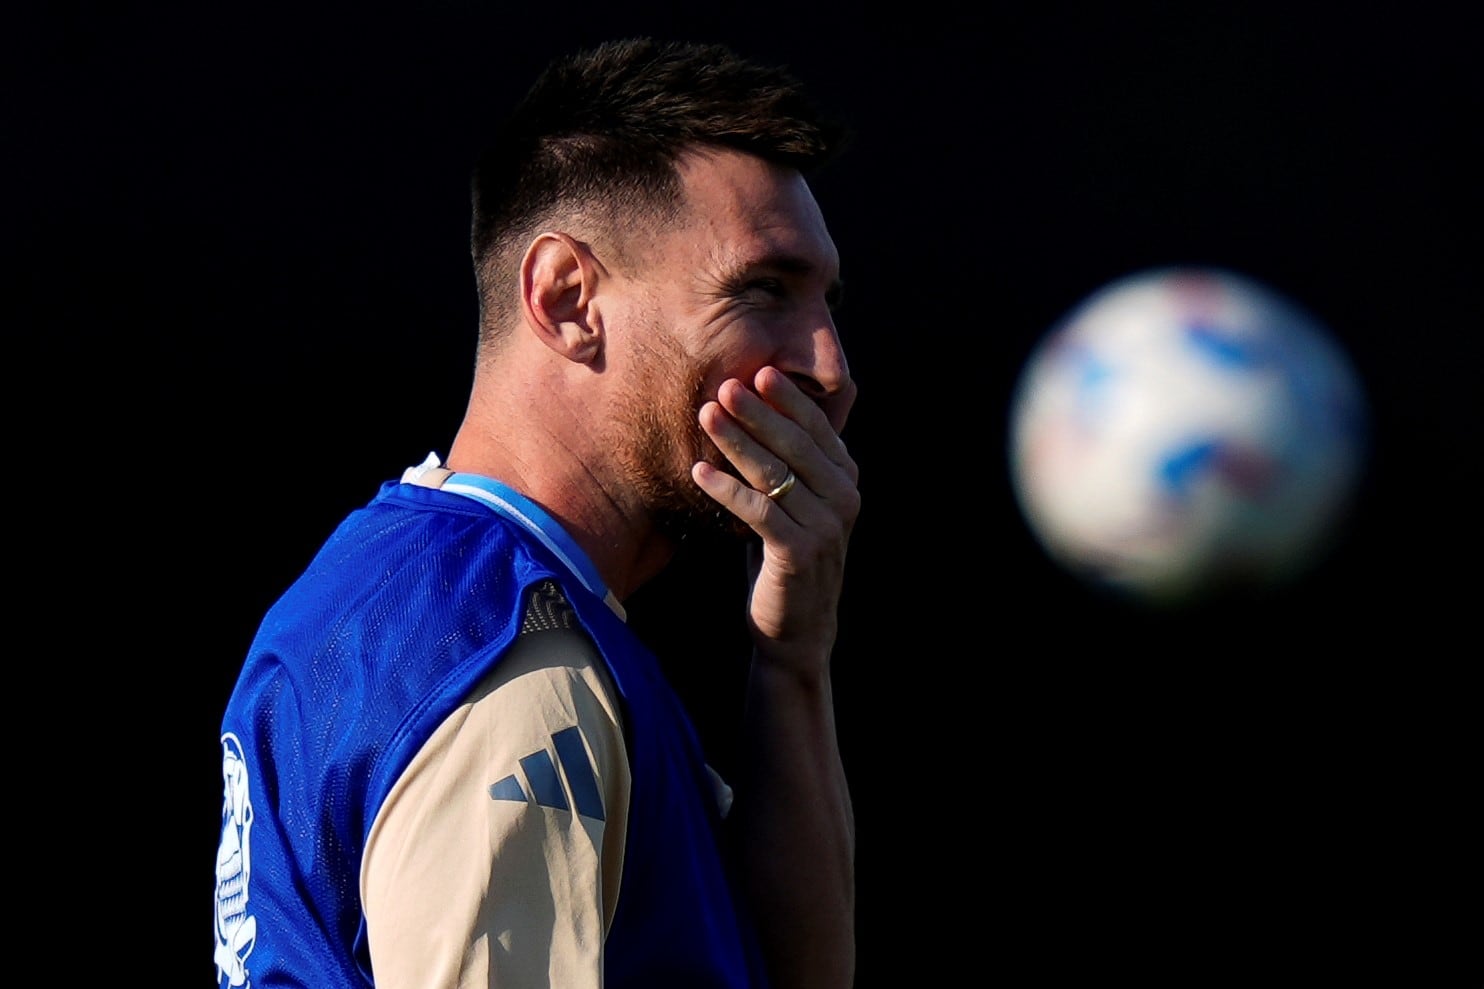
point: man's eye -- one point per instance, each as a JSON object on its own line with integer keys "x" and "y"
{"x": 769, "y": 286}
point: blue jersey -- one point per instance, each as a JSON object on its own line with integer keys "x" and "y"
{"x": 410, "y": 602}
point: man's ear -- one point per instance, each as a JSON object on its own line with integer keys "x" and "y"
{"x": 558, "y": 279}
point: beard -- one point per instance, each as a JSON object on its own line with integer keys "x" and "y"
{"x": 659, "y": 438}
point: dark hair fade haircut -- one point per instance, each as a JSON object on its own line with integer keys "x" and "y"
{"x": 602, "y": 129}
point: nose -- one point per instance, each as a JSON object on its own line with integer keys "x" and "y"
{"x": 824, "y": 375}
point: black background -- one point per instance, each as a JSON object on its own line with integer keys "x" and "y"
{"x": 236, "y": 237}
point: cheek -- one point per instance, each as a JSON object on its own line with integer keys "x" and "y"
{"x": 741, "y": 356}
{"x": 731, "y": 345}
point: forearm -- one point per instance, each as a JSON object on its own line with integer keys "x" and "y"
{"x": 794, "y": 826}
{"x": 796, "y": 829}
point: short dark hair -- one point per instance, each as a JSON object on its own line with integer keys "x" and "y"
{"x": 602, "y": 130}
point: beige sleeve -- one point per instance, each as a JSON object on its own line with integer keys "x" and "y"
{"x": 464, "y": 888}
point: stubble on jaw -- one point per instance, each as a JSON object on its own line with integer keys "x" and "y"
{"x": 659, "y": 437}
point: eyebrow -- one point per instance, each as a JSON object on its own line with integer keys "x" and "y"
{"x": 792, "y": 264}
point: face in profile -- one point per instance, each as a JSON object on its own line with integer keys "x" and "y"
{"x": 744, "y": 280}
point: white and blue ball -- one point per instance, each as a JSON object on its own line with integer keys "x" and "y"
{"x": 1185, "y": 431}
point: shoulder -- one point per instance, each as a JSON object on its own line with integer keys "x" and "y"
{"x": 514, "y": 810}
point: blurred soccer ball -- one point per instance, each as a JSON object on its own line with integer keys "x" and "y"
{"x": 1184, "y": 432}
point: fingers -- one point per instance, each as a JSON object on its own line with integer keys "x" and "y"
{"x": 777, "y": 391}
{"x": 773, "y": 434}
{"x": 770, "y": 433}
{"x": 775, "y": 430}
{"x": 762, "y": 471}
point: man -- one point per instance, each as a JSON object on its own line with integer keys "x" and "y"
{"x": 448, "y": 761}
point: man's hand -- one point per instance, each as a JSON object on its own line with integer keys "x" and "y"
{"x": 792, "y": 822}
{"x": 798, "y": 572}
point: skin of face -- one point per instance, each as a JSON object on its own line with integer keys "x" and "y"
{"x": 746, "y": 279}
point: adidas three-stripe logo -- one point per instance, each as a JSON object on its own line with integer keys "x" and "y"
{"x": 546, "y": 784}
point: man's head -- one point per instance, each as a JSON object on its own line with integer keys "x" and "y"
{"x": 598, "y": 138}
{"x": 746, "y": 277}
{"x": 644, "y": 232}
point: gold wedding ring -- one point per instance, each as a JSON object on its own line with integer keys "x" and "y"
{"x": 784, "y": 487}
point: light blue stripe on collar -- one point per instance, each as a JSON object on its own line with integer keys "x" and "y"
{"x": 518, "y": 508}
